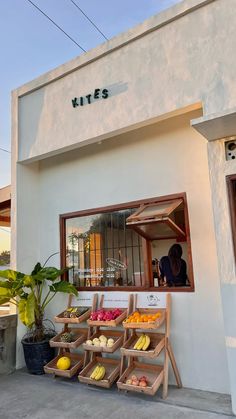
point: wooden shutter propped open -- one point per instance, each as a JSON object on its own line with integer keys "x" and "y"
{"x": 158, "y": 220}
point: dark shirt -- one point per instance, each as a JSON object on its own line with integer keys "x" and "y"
{"x": 166, "y": 271}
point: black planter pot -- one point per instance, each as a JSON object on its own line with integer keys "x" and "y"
{"x": 37, "y": 354}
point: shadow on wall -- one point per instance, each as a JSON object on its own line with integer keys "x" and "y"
{"x": 132, "y": 137}
{"x": 31, "y": 127}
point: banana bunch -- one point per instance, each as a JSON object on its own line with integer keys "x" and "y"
{"x": 142, "y": 343}
{"x": 98, "y": 373}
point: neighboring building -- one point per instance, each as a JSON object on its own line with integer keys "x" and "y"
{"x": 5, "y": 206}
{"x": 143, "y": 123}
{"x": 5, "y": 221}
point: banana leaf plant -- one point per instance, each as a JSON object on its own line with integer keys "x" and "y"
{"x": 32, "y": 293}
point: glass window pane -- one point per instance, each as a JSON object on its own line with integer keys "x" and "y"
{"x": 103, "y": 251}
{"x": 155, "y": 210}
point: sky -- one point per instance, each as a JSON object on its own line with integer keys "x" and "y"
{"x": 31, "y": 45}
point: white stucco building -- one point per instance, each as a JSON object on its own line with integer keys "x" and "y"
{"x": 159, "y": 129}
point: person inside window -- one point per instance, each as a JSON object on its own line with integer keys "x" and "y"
{"x": 173, "y": 268}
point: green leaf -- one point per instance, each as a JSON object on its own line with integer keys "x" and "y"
{"x": 11, "y": 275}
{"x": 64, "y": 286}
{"x": 6, "y": 284}
{"x": 39, "y": 279}
{"x": 36, "y": 269}
{"x": 30, "y": 309}
{"x": 6, "y": 293}
{"x": 28, "y": 281}
{"x": 50, "y": 273}
{"x": 4, "y": 300}
{"x": 27, "y": 310}
{"x": 22, "y": 310}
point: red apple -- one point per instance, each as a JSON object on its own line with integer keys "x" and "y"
{"x": 135, "y": 382}
{"x": 143, "y": 383}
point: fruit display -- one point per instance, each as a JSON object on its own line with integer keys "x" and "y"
{"x": 135, "y": 381}
{"x": 74, "y": 312}
{"x": 137, "y": 317}
{"x": 64, "y": 363}
{"x": 98, "y": 373}
{"x": 142, "y": 343}
{"x": 67, "y": 337}
{"x": 102, "y": 341}
{"x": 105, "y": 315}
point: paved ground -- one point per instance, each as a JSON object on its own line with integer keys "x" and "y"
{"x": 43, "y": 397}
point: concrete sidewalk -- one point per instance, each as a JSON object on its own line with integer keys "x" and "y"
{"x": 42, "y": 397}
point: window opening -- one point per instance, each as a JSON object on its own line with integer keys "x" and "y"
{"x": 102, "y": 251}
{"x": 122, "y": 247}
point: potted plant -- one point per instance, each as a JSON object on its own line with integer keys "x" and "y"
{"x": 31, "y": 294}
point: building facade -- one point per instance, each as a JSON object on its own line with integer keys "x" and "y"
{"x": 146, "y": 117}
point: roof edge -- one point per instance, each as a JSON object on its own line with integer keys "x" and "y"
{"x": 149, "y": 25}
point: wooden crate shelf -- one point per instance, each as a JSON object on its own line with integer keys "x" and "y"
{"x": 110, "y": 323}
{"x": 112, "y": 367}
{"x": 155, "y": 324}
{"x": 154, "y": 374}
{"x": 77, "y": 360}
{"x": 114, "y": 334}
{"x": 80, "y": 336}
{"x": 76, "y": 364}
{"x": 75, "y": 320}
{"x": 157, "y": 343}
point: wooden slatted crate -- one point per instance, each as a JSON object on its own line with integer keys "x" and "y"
{"x": 157, "y": 343}
{"x": 75, "y": 320}
{"x": 114, "y": 334}
{"x": 154, "y": 324}
{"x": 110, "y": 323}
{"x": 80, "y": 335}
{"x": 112, "y": 367}
{"x": 76, "y": 364}
{"x": 154, "y": 374}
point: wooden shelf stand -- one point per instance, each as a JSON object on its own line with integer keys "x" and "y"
{"x": 78, "y": 361}
{"x": 159, "y": 343}
{"x": 108, "y": 329}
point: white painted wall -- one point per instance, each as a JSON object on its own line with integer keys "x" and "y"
{"x": 168, "y": 67}
{"x": 25, "y": 250}
{"x": 138, "y": 165}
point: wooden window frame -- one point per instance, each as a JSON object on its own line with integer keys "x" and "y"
{"x": 232, "y": 208}
{"x": 138, "y": 220}
{"x": 146, "y": 244}
{"x": 6, "y": 205}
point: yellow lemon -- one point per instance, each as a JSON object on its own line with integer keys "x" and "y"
{"x": 63, "y": 363}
